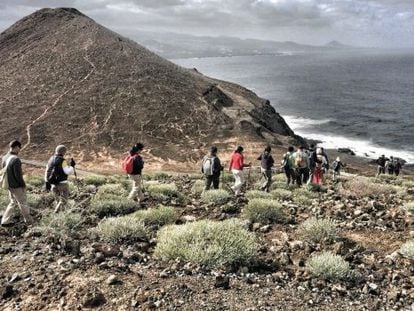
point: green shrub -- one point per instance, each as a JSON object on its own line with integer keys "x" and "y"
{"x": 407, "y": 249}
{"x": 41, "y": 201}
{"x": 198, "y": 187}
{"x": 279, "y": 178}
{"x": 60, "y": 224}
{"x": 282, "y": 185}
{"x": 318, "y": 230}
{"x": 156, "y": 216}
{"x": 304, "y": 197}
{"x": 216, "y": 196}
{"x": 316, "y": 188}
{"x": 281, "y": 194}
{"x": 227, "y": 178}
{"x": 195, "y": 176}
{"x": 120, "y": 229}
{"x": 364, "y": 187}
{"x": 108, "y": 191}
{"x": 264, "y": 211}
{"x": 408, "y": 184}
{"x": 213, "y": 244}
{"x": 96, "y": 180}
{"x": 112, "y": 206}
{"x": 160, "y": 176}
{"x": 4, "y": 199}
{"x": 35, "y": 181}
{"x": 329, "y": 266}
{"x": 409, "y": 207}
{"x": 165, "y": 192}
{"x": 162, "y": 190}
{"x": 256, "y": 194}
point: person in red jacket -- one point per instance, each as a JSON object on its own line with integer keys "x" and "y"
{"x": 236, "y": 167}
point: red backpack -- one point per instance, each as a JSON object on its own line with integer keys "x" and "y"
{"x": 128, "y": 164}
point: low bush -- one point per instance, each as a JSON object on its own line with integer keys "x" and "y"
{"x": 160, "y": 216}
{"x": 316, "y": 188}
{"x": 198, "y": 187}
{"x": 95, "y": 180}
{"x": 264, "y": 211}
{"x": 256, "y": 194}
{"x": 318, "y": 230}
{"x": 279, "y": 178}
{"x": 213, "y": 244}
{"x": 35, "y": 181}
{"x": 408, "y": 184}
{"x": 4, "y": 199}
{"x": 121, "y": 229}
{"x": 112, "y": 206}
{"x": 160, "y": 176}
{"x": 216, "y": 196}
{"x": 195, "y": 176}
{"x": 281, "y": 194}
{"x": 329, "y": 266}
{"x": 409, "y": 207}
{"x": 407, "y": 249}
{"x": 166, "y": 192}
{"x": 364, "y": 187}
{"x": 282, "y": 185}
{"x": 60, "y": 224}
{"x": 40, "y": 201}
{"x": 304, "y": 197}
{"x": 109, "y": 191}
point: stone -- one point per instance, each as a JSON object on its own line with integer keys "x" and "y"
{"x": 7, "y": 292}
{"x": 15, "y": 277}
{"x": 265, "y": 229}
{"x": 113, "y": 280}
{"x": 222, "y": 282}
{"x": 93, "y": 299}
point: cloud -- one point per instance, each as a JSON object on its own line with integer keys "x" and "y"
{"x": 372, "y": 22}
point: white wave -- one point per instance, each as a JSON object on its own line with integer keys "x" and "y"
{"x": 297, "y": 123}
{"x": 363, "y": 148}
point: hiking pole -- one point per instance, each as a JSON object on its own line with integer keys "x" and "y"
{"x": 74, "y": 173}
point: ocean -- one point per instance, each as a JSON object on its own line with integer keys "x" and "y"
{"x": 362, "y": 100}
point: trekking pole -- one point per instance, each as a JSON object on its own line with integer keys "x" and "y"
{"x": 248, "y": 178}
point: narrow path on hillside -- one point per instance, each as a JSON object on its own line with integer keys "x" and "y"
{"x": 46, "y": 111}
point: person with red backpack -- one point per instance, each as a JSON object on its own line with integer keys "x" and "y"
{"x": 133, "y": 165}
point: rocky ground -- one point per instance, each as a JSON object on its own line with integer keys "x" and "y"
{"x": 45, "y": 272}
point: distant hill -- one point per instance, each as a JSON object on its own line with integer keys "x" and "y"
{"x": 173, "y": 45}
{"x": 67, "y": 79}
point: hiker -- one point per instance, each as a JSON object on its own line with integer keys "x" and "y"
{"x": 133, "y": 165}
{"x": 381, "y": 165}
{"x": 312, "y": 162}
{"x": 302, "y": 166}
{"x": 266, "y": 164}
{"x": 12, "y": 180}
{"x": 326, "y": 166}
{"x": 397, "y": 167}
{"x": 320, "y": 167}
{"x": 236, "y": 167}
{"x": 389, "y": 166}
{"x": 211, "y": 168}
{"x": 288, "y": 165}
{"x": 337, "y": 165}
{"x": 56, "y": 176}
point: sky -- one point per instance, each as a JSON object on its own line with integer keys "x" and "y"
{"x": 374, "y": 23}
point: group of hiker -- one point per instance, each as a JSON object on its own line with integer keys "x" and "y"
{"x": 301, "y": 166}
{"x": 389, "y": 166}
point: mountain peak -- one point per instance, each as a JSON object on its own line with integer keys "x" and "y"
{"x": 73, "y": 81}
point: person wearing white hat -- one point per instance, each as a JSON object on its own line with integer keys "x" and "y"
{"x": 56, "y": 176}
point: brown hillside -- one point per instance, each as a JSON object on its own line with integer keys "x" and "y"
{"x": 67, "y": 79}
